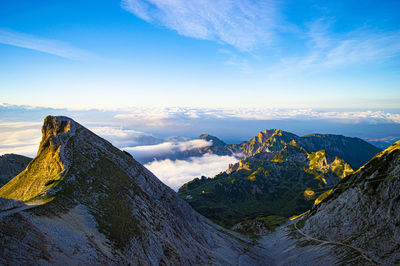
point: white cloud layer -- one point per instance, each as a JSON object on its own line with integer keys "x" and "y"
{"x": 244, "y": 24}
{"x": 166, "y": 116}
{"x": 48, "y": 46}
{"x": 20, "y": 138}
{"x": 121, "y": 137}
{"x": 176, "y": 173}
{"x": 19, "y": 133}
{"x": 170, "y": 147}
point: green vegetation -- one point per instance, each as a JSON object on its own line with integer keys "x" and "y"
{"x": 107, "y": 190}
{"x": 112, "y": 209}
{"x": 262, "y": 187}
{"x": 271, "y": 221}
{"x": 47, "y": 165}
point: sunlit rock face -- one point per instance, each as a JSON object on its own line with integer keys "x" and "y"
{"x": 280, "y": 173}
{"x": 355, "y": 151}
{"x": 98, "y": 205}
{"x": 364, "y": 209}
{"x": 282, "y": 182}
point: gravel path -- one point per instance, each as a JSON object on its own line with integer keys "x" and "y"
{"x": 365, "y": 256}
{"x": 28, "y": 205}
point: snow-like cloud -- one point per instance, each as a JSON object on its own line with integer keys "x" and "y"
{"x": 20, "y": 125}
{"x": 184, "y": 115}
{"x": 244, "y": 24}
{"x": 121, "y": 137}
{"x": 175, "y": 173}
{"x": 44, "y": 45}
{"x": 145, "y": 153}
{"x": 20, "y": 138}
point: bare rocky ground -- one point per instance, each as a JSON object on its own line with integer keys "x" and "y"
{"x": 73, "y": 239}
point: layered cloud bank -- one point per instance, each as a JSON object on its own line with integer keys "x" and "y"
{"x": 160, "y": 116}
{"x": 166, "y": 149}
{"x": 129, "y": 128}
{"x": 20, "y": 137}
{"x": 175, "y": 173}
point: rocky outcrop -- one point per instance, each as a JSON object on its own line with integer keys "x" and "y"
{"x": 7, "y": 204}
{"x": 103, "y": 207}
{"x": 363, "y": 210}
{"x": 11, "y": 165}
{"x": 355, "y": 151}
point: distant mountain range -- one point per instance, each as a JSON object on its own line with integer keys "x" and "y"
{"x": 355, "y": 151}
{"x": 383, "y": 143}
{"x": 82, "y": 201}
{"x": 281, "y": 174}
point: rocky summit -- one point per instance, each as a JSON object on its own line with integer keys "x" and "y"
{"x": 355, "y": 151}
{"x": 279, "y": 173}
{"x": 87, "y": 202}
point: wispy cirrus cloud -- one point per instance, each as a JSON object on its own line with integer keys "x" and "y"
{"x": 328, "y": 50}
{"x": 44, "y": 45}
{"x": 244, "y": 24}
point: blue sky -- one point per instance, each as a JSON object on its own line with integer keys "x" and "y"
{"x": 220, "y": 53}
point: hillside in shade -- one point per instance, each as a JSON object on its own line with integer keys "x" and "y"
{"x": 363, "y": 210}
{"x": 11, "y": 165}
{"x": 89, "y": 203}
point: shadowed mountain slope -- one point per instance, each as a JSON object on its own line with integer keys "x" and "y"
{"x": 363, "y": 210}
{"x": 97, "y": 205}
{"x": 11, "y": 165}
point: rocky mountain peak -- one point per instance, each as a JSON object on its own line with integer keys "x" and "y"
{"x": 93, "y": 196}
{"x": 50, "y": 165}
{"x": 216, "y": 141}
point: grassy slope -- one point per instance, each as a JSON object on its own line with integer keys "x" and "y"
{"x": 27, "y": 185}
{"x": 260, "y": 188}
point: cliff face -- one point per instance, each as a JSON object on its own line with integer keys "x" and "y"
{"x": 11, "y": 165}
{"x": 96, "y": 204}
{"x": 363, "y": 210}
{"x": 49, "y": 166}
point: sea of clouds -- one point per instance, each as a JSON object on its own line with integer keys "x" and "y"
{"x": 149, "y": 133}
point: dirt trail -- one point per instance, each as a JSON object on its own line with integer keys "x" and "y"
{"x": 28, "y": 205}
{"x": 363, "y": 254}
